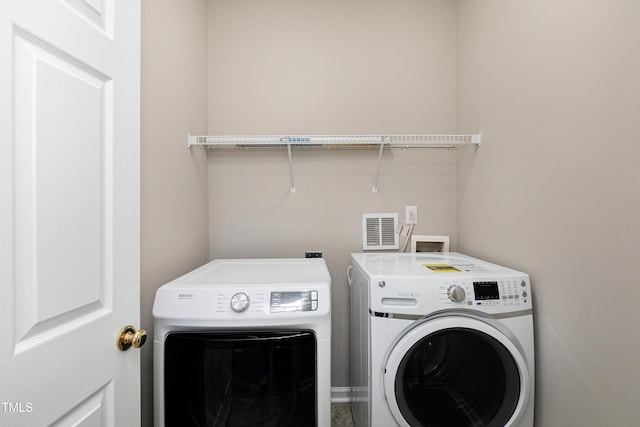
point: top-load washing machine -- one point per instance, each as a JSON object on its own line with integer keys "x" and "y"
{"x": 244, "y": 342}
{"x": 440, "y": 339}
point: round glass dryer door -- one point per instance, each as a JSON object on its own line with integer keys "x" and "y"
{"x": 455, "y": 371}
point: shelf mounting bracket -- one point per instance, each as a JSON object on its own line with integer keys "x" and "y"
{"x": 293, "y": 185}
{"x": 383, "y": 139}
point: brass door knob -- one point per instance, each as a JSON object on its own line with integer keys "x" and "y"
{"x": 128, "y": 336}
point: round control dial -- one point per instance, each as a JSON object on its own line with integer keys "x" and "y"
{"x": 456, "y": 293}
{"x": 239, "y": 302}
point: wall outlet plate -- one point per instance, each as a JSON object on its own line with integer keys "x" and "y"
{"x": 411, "y": 215}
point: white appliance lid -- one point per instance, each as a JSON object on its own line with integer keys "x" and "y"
{"x": 258, "y": 272}
{"x": 425, "y": 263}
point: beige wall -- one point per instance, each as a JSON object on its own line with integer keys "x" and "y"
{"x": 174, "y": 223}
{"x": 554, "y": 189}
{"x": 329, "y": 67}
{"x": 332, "y": 66}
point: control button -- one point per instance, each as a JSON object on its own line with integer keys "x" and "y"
{"x": 523, "y": 283}
{"x": 239, "y": 302}
{"x": 456, "y": 293}
{"x": 382, "y": 283}
{"x": 314, "y": 305}
{"x": 524, "y": 294}
{"x": 314, "y": 295}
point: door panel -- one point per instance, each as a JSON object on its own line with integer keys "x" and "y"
{"x": 92, "y": 411}
{"x": 61, "y": 205}
{"x": 97, "y": 12}
{"x": 456, "y": 370}
{"x": 241, "y": 378}
{"x": 69, "y": 224}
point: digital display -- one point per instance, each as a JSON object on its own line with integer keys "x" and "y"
{"x": 290, "y": 299}
{"x": 486, "y": 290}
{"x": 294, "y": 301}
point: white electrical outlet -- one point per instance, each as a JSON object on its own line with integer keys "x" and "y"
{"x": 411, "y": 215}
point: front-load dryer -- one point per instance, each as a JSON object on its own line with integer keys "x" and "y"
{"x": 440, "y": 339}
{"x": 244, "y": 342}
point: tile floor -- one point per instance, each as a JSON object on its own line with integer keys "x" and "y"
{"x": 341, "y": 415}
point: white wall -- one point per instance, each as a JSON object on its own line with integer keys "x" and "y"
{"x": 328, "y": 67}
{"x": 174, "y": 223}
{"x": 554, "y": 189}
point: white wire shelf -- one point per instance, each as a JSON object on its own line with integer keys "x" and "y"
{"x": 283, "y": 141}
{"x": 333, "y": 141}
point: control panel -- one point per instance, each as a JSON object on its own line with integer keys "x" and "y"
{"x": 251, "y": 303}
{"x": 485, "y": 293}
{"x": 266, "y": 301}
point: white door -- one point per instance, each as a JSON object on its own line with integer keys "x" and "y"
{"x": 69, "y": 211}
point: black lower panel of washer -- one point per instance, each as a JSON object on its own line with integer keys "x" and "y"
{"x": 246, "y": 379}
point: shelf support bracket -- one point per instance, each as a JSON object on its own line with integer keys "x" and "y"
{"x": 293, "y": 185}
{"x": 375, "y": 183}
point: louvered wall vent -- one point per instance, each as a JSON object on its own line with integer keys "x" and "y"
{"x": 379, "y": 231}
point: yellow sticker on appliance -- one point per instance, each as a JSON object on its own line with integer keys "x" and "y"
{"x": 441, "y": 268}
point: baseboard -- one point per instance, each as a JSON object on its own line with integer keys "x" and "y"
{"x": 340, "y": 394}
